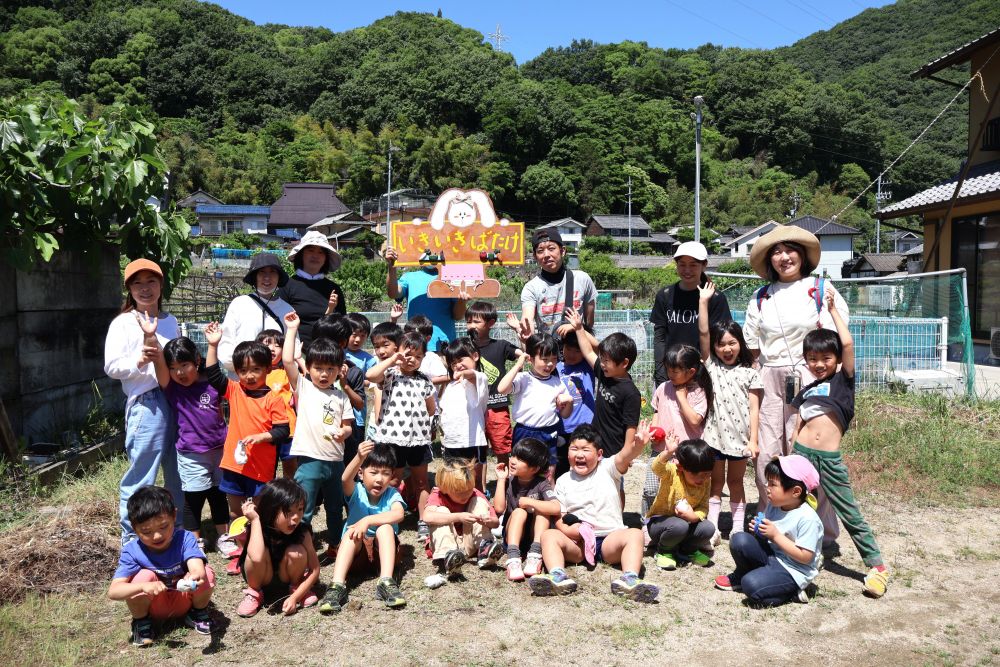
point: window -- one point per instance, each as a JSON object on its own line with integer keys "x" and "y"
{"x": 976, "y": 246}
{"x": 991, "y": 136}
{"x": 232, "y": 226}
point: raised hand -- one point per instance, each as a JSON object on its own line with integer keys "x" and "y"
{"x": 365, "y": 448}
{"x": 831, "y": 295}
{"x": 501, "y": 471}
{"x": 292, "y": 321}
{"x": 147, "y": 325}
{"x": 573, "y": 317}
{"x": 249, "y": 510}
{"x": 395, "y": 312}
{"x": 512, "y": 322}
{"x": 213, "y": 333}
{"x": 390, "y": 255}
{"x": 707, "y": 292}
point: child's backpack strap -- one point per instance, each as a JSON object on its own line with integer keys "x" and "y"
{"x": 761, "y": 294}
{"x": 817, "y": 293}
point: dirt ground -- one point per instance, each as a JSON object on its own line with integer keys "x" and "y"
{"x": 942, "y": 608}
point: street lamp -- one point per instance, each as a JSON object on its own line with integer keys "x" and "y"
{"x": 388, "y": 189}
{"x": 696, "y": 116}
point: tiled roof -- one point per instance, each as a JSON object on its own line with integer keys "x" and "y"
{"x": 560, "y": 222}
{"x": 917, "y": 250}
{"x": 231, "y": 209}
{"x": 904, "y": 233}
{"x": 199, "y": 197}
{"x": 758, "y": 230}
{"x": 885, "y": 262}
{"x": 983, "y": 179}
{"x": 956, "y": 56}
{"x": 821, "y": 227}
{"x": 662, "y": 237}
{"x": 302, "y": 204}
{"x": 619, "y": 221}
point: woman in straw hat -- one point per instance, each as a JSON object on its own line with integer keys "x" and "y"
{"x": 778, "y": 318}
{"x": 309, "y": 291}
{"x": 249, "y": 314}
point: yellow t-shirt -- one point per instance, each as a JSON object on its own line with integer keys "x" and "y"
{"x": 673, "y": 488}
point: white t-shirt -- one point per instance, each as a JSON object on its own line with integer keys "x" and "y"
{"x": 535, "y": 400}
{"x": 463, "y": 412}
{"x": 123, "y": 347}
{"x": 803, "y": 527}
{"x": 549, "y": 299}
{"x": 593, "y": 498}
{"x": 320, "y": 414}
{"x": 432, "y": 366}
{"x": 244, "y": 320}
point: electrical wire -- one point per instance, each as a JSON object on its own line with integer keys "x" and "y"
{"x": 713, "y": 23}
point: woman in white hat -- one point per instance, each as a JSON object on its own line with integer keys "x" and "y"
{"x": 778, "y": 318}
{"x": 261, "y": 309}
{"x": 309, "y": 291}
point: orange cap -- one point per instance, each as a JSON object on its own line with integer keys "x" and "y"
{"x": 138, "y": 265}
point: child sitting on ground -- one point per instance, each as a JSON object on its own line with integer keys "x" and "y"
{"x": 374, "y": 510}
{"x": 277, "y": 380}
{"x": 590, "y": 493}
{"x": 677, "y": 524}
{"x": 156, "y": 572}
{"x": 460, "y": 518}
{"x": 526, "y": 499}
{"x": 279, "y": 548}
{"x": 779, "y": 556}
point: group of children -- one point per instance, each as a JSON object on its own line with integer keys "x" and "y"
{"x": 562, "y": 450}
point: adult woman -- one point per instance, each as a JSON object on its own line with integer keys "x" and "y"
{"x": 150, "y": 429}
{"x": 778, "y": 319}
{"x": 309, "y": 291}
{"x": 250, "y": 314}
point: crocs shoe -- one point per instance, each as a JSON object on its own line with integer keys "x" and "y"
{"x": 489, "y": 553}
{"x": 877, "y": 581}
{"x": 200, "y": 620}
{"x": 308, "y": 600}
{"x": 724, "y": 583}
{"x": 251, "y": 603}
{"x": 634, "y": 588}
{"x": 533, "y": 565}
{"x": 547, "y": 584}
{"x": 334, "y": 599}
{"x": 233, "y": 568}
{"x": 514, "y": 571}
{"x": 699, "y": 558}
{"x": 142, "y": 632}
{"x": 387, "y": 590}
{"x": 453, "y": 562}
{"x": 665, "y": 561}
{"x": 589, "y": 543}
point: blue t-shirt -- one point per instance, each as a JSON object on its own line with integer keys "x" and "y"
{"x": 359, "y": 506}
{"x": 413, "y": 287}
{"x": 803, "y": 527}
{"x": 579, "y": 382}
{"x": 363, "y": 361}
{"x": 169, "y": 565}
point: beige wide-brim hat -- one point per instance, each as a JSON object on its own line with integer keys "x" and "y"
{"x": 760, "y": 253}
{"x": 319, "y": 240}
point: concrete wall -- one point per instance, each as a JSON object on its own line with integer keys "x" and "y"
{"x": 53, "y": 321}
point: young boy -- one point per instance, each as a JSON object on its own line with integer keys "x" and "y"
{"x": 779, "y": 556}
{"x": 361, "y": 328}
{"x": 152, "y": 568}
{"x": 826, "y": 408}
{"x": 494, "y": 354}
{"x": 595, "y": 532}
{"x": 374, "y": 510}
{"x": 385, "y": 341}
{"x": 432, "y": 366}
{"x": 677, "y": 522}
{"x": 578, "y": 377}
{"x": 338, "y": 329}
{"x": 528, "y": 502}
{"x": 277, "y": 380}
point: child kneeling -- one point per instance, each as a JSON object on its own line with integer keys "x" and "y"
{"x": 779, "y": 556}
{"x": 163, "y": 574}
{"x": 374, "y": 510}
{"x": 590, "y": 492}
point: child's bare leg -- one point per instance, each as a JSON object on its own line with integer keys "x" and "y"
{"x": 481, "y": 477}
{"x": 289, "y": 466}
{"x": 235, "y": 506}
{"x": 139, "y": 604}
{"x": 201, "y": 597}
{"x": 715, "y": 495}
{"x": 557, "y": 549}
{"x": 540, "y": 525}
{"x": 345, "y": 557}
{"x": 734, "y": 480}
{"x": 418, "y": 477}
{"x": 624, "y": 546}
{"x": 257, "y": 568}
{"x": 292, "y": 569}
{"x": 386, "y": 539}
{"x": 515, "y": 526}
{"x": 444, "y": 537}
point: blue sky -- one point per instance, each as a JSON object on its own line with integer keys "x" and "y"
{"x": 534, "y": 26}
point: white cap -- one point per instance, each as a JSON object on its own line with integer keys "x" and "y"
{"x": 692, "y": 249}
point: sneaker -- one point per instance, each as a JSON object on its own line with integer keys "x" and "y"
{"x": 665, "y": 561}
{"x": 387, "y": 590}
{"x": 802, "y": 596}
{"x": 634, "y": 588}
{"x": 546, "y": 584}
{"x": 533, "y": 565}
{"x": 423, "y": 532}
{"x": 333, "y": 601}
{"x": 820, "y": 562}
{"x": 251, "y": 603}
{"x": 877, "y": 581}
{"x": 309, "y": 600}
{"x": 329, "y": 556}
{"x": 200, "y": 620}
{"x": 233, "y": 568}
{"x": 498, "y": 531}
{"x": 717, "y": 538}
{"x": 723, "y": 583}
{"x": 699, "y": 558}
{"x": 453, "y": 562}
{"x": 142, "y": 632}
{"x": 490, "y": 553}
{"x": 226, "y": 546}
{"x": 514, "y": 571}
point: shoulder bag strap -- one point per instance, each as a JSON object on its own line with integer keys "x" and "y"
{"x": 263, "y": 306}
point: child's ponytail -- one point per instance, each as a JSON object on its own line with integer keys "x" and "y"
{"x": 685, "y": 356}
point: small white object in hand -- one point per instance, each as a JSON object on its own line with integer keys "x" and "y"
{"x": 241, "y": 453}
{"x": 683, "y": 505}
{"x": 187, "y": 585}
{"x": 435, "y": 581}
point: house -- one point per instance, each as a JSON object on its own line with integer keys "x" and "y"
{"x": 621, "y": 227}
{"x": 344, "y": 229}
{"x": 569, "y": 229}
{"x": 903, "y": 240}
{"x": 872, "y": 264}
{"x": 836, "y": 242}
{"x": 219, "y": 219}
{"x": 398, "y": 206}
{"x": 969, "y": 237}
{"x": 739, "y": 245}
{"x": 198, "y": 197}
{"x": 304, "y": 204}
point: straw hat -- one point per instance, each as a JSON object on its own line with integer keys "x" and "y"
{"x": 319, "y": 240}
{"x": 761, "y": 250}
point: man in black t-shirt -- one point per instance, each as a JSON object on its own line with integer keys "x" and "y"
{"x": 494, "y": 354}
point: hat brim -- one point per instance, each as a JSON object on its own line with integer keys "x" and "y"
{"x": 332, "y": 256}
{"x": 251, "y": 277}
{"x": 761, "y": 250}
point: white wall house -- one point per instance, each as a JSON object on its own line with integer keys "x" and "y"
{"x": 836, "y": 241}
{"x": 569, "y": 229}
{"x": 219, "y": 219}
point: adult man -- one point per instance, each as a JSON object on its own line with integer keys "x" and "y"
{"x": 412, "y": 286}
{"x": 544, "y": 297}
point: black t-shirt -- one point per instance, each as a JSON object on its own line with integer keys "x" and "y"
{"x": 675, "y": 320}
{"x": 836, "y": 393}
{"x": 310, "y": 298}
{"x": 618, "y": 404}
{"x": 493, "y": 358}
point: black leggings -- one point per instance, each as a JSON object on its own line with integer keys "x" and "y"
{"x": 194, "y": 502}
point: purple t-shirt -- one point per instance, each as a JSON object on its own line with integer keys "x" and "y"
{"x": 200, "y": 427}
{"x": 169, "y": 565}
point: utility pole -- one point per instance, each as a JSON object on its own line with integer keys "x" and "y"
{"x": 388, "y": 187}
{"x": 881, "y": 196}
{"x": 630, "y": 216}
{"x": 698, "y": 102}
{"x": 498, "y": 38}
{"x": 796, "y": 200}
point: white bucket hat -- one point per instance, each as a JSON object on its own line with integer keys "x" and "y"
{"x": 317, "y": 239}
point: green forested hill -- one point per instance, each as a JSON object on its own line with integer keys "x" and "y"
{"x": 241, "y": 108}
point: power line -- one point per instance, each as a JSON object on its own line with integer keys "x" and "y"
{"x": 806, "y": 10}
{"x": 797, "y": 33}
{"x": 818, "y": 11}
{"x": 711, "y": 22}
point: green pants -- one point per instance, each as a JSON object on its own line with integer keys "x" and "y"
{"x": 323, "y": 478}
{"x": 837, "y": 487}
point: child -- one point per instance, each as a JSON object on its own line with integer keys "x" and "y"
{"x": 201, "y": 430}
{"x": 526, "y": 499}
{"x": 539, "y": 397}
{"x": 826, "y": 408}
{"x": 680, "y": 404}
{"x": 405, "y": 421}
{"x": 460, "y": 518}
{"x": 494, "y": 354}
{"x": 463, "y": 407}
{"x": 361, "y": 327}
{"x": 279, "y": 546}
{"x": 779, "y": 556}
{"x": 277, "y": 380}
{"x": 578, "y": 378}
{"x": 338, "y": 329}
{"x": 677, "y": 523}
{"x": 374, "y": 510}
{"x": 385, "y": 341}
{"x": 432, "y": 366}
{"x": 731, "y": 427}
{"x": 595, "y": 531}
{"x": 151, "y": 568}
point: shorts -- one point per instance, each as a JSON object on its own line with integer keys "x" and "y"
{"x": 235, "y": 484}
{"x": 719, "y": 456}
{"x": 412, "y": 456}
{"x": 498, "y": 430}
{"x": 170, "y": 603}
{"x": 477, "y": 454}
{"x": 547, "y": 434}
{"x": 285, "y": 450}
{"x": 199, "y": 471}
{"x": 367, "y": 560}
{"x": 599, "y": 541}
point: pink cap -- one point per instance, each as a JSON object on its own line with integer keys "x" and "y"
{"x": 800, "y": 469}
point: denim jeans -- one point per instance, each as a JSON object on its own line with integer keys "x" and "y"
{"x": 317, "y": 476}
{"x": 150, "y": 442}
{"x": 764, "y": 580}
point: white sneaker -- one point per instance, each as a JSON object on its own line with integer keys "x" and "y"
{"x": 514, "y": 571}
{"x": 533, "y": 565}
{"x": 226, "y": 545}
{"x": 717, "y": 538}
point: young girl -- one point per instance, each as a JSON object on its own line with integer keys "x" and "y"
{"x": 731, "y": 429}
{"x": 279, "y": 544}
{"x": 463, "y": 407}
{"x": 681, "y": 405}
{"x": 277, "y": 380}
{"x": 540, "y": 399}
